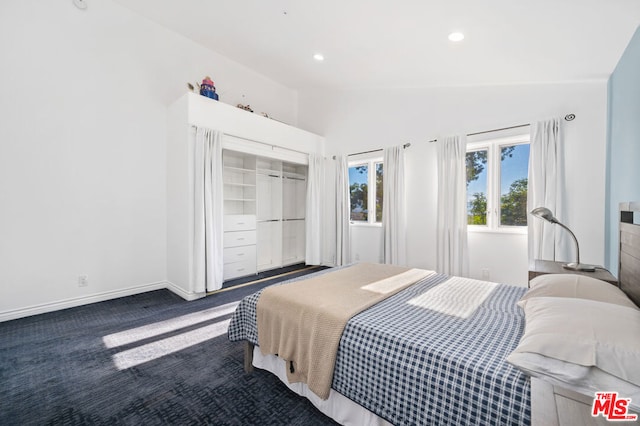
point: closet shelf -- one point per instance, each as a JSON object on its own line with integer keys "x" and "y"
{"x": 269, "y": 172}
{"x": 240, "y": 199}
{"x": 291, "y": 175}
{"x": 239, "y": 169}
{"x": 247, "y": 185}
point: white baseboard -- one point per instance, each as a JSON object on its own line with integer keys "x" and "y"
{"x": 182, "y": 293}
{"x": 84, "y": 300}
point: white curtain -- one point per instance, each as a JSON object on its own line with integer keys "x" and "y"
{"x": 343, "y": 212}
{"x": 545, "y": 189}
{"x": 452, "y": 255}
{"x": 313, "y": 219}
{"x": 393, "y": 207}
{"x": 208, "y": 211}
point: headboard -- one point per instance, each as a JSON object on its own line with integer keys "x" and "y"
{"x": 629, "y": 255}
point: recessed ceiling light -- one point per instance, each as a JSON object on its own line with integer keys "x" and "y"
{"x": 318, "y": 57}
{"x": 456, "y": 36}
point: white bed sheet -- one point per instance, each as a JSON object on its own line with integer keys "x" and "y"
{"x": 337, "y": 406}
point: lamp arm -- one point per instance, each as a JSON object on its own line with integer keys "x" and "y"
{"x": 574, "y": 240}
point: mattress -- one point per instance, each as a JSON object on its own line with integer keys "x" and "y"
{"x": 416, "y": 359}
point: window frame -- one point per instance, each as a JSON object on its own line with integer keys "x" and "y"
{"x": 493, "y": 147}
{"x": 370, "y": 162}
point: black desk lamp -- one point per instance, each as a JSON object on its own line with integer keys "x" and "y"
{"x": 545, "y": 213}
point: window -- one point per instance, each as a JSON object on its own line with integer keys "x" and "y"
{"x": 365, "y": 187}
{"x": 497, "y": 172}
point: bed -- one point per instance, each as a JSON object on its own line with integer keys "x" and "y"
{"x": 410, "y": 360}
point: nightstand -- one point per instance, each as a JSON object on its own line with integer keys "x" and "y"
{"x": 542, "y": 267}
{"x": 554, "y": 406}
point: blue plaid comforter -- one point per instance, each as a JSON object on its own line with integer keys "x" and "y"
{"x": 415, "y": 366}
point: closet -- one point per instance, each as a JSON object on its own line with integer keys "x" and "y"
{"x": 264, "y": 190}
{"x": 264, "y": 211}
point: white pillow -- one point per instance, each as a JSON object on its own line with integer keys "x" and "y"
{"x": 578, "y": 378}
{"x": 576, "y": 286}
{"x": 583, "y": 332}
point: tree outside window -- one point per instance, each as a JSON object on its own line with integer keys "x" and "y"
{"x": 359, "y": 189}
{"x": 477, "y": 187}
{"x": 366, "y": 192}
{"x": 379, "y": 182}
{"x": 497, "y": 183}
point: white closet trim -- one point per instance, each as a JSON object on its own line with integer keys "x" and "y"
{"x": 248, "y": 146}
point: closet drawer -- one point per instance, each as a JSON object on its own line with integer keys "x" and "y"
{"x": 239, "y": 238}
{"x": 238, "y": 254}
{"x": 239, "y": 222}
{"x": 239, "y": 269}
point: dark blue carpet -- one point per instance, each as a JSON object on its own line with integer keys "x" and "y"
{"x": 61, "y": 368}
{"x": 298, "y": 268}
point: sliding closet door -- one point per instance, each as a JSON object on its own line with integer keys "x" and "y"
{"x": 269, "y": 213}
{"x": 275, "y": 191}
{"x": 294, "y": 188}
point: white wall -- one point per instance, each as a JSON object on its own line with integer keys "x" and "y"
{"x": 354, "y": 121}
{"x": 83, "y": 101}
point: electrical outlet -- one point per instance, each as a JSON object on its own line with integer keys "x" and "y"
{"x": 357, "y": 256}
{"x": 485, "y": 274}
{"x": 83, "y": 280}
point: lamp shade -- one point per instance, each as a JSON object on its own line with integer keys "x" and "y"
{"x": 544, "y": 213}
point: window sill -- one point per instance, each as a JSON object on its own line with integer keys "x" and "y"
{"x": 504, "y": 230}
{"x": 366, "y": 224}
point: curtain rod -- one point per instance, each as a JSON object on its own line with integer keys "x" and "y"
{"x": 405, "y": 146}
{"x": 568, "y": 117}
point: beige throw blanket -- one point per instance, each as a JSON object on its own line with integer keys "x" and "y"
{"x": 302, "y": 322}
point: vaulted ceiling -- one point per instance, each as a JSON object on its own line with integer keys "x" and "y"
{"x": 403, "y": 43}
